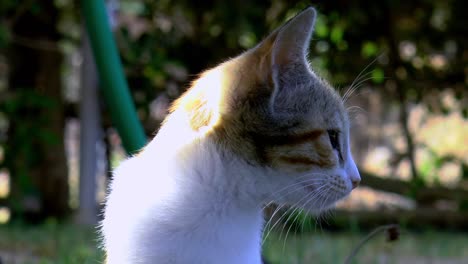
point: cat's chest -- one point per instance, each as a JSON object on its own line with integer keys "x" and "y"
{"x": 211, "y": 241}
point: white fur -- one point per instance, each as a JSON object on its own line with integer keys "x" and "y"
{"x": 187, "y": 205}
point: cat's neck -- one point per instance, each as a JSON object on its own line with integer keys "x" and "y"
{"x": 214, "y": 209}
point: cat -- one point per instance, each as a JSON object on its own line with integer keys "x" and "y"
{"x": 260, "y": 127}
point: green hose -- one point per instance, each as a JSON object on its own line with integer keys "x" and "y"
{"x": 113, "y": 83}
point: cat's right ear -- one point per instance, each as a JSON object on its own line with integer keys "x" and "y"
{"x": 292, "y": 40}
{"x": 284, "y": 63}
{"x": 287, "y": 44}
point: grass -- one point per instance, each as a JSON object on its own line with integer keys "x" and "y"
{"x": 324, "y": 247}
{"x": 49, "y": 243}
{"x": 55, "y": 243}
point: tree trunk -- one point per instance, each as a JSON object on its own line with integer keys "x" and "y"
{"x": 34, "y": 153}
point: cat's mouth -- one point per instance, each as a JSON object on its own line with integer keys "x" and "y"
{"x": 325, "y": 189}
{"x": 310, "y": 188}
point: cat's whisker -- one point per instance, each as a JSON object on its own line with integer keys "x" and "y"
{"x": 285, "y": 213}
{"x": 354, "y": 86}
{"x": 325, "y": 190}
{"x": 268, "y": 225}
{"x": 361, "y": 82}
{"x": 363, "y": 92}
{"x": 271, "y": 227}
{"x": 288, "y": 222}
{"x": 288, "y": 188}
{"x": 304, "y": 223}
{"x": 319, "y": 210}
{"x": 304, "y": 181}
{"x": 299, "y": 185}
{"x": 368, "y": 65}
{"x": 329, "y": 213}
{"x": 324, "y": 216}
{"x": 354, "y": 111}
{"x": 291, "y": 224}
{"x": 355, "y": 108}
{"x": 308, "y": 197}
{"x": 277, "y": 221}
{"x": 359, "y": 85}
{"x": 285, "y": 222}
{"x": 278, "y": 208}
{"x": 296, "y": 208}
{"x": 346, "y": 95}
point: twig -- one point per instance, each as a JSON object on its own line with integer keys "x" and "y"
{"x": 401, "y": 93}
{"x": 392, "y": 234}
{"x": 38, "y": 44}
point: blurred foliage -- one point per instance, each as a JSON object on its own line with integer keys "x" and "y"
{"x": 31, "y": 108}
{"x": 27, "y": 104}
{"x": 157, "y": 39}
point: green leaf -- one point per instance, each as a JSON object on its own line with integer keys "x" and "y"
{"x": 369, "y": 49}
{"x": 4, "y": 36}
{"x": 336, "y": 34}
{"x": 247, "y": 39}
{"x": 378, "y": 75}
{"x": 321, "y": 28}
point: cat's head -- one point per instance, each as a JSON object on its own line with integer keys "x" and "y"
{"x": 268, "y": 108}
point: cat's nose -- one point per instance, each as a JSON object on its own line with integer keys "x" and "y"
{"x": 353, "y": 173}
{"x": 355, "y": 183}
{"x": 355, "y": 177}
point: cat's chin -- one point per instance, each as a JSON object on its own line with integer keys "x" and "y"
{"x": 317, "y": 208}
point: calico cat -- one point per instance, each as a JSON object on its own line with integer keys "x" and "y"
{"x": 258, "y": 128}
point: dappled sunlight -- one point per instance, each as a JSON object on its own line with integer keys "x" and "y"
{"x": 211, "y": 87}
{"x": 377, "y": 161}
{"x": 4, "y": 215}
{"x": 4, "y": 183}
{"x": 446, "y": 135}
{"x": 436, "y": 136}
{"x": 438, "y": 61}
{"x": 196, "y": 113}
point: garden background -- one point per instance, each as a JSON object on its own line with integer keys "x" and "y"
{"x": 405, "y": 61}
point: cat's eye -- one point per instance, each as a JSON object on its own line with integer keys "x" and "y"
{"x": 334, "y": 136}
{"x": 334, "y": 139}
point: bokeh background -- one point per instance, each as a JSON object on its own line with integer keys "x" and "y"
{"x": 402, "y": 65}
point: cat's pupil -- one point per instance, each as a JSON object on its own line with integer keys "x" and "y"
{"x": 333, "y": 135}
{"x": 335, "y": 142}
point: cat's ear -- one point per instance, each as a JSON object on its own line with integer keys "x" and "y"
{"x": 288, "y": 69}
{"x": 292, "y": 40}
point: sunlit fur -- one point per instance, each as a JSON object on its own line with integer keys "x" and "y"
{"x": 251, "y": 131}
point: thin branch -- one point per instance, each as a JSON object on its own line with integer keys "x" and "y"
{"x": 401, "y": 91}
{"x": 37, "y": 44}
{"x": 392, "y": 234}
{"x": 423, "y": 193}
